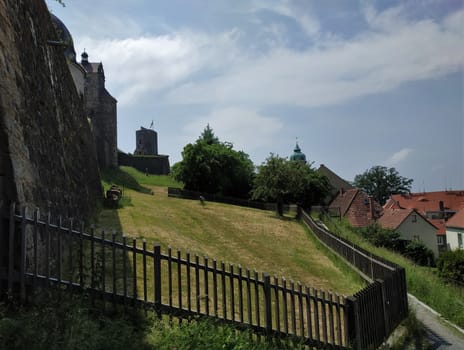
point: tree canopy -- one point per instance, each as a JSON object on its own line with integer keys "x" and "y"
{"x": 381, "y": 182}
{"x": 282, "y": 181}
{"x": 211, "y": 166}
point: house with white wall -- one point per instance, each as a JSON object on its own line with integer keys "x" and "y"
{"x": 411, "y": 226}
{"x": 455, "y": 231}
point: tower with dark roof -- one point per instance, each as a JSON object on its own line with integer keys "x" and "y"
{"x": 298, "y": 155}
{"x": 100, "y": 106}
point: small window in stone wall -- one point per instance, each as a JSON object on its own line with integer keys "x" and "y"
{"x": 414, "y": 218}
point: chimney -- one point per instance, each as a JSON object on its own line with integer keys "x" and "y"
{"x": 342, "y": 191}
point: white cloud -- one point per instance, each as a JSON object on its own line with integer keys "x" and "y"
{"x": 189, "y": 67}
{"x": 246, "y": 129}
{"x": 399, "y": 157}
{"x": 370, "y": 63}
{"x": 308, "y": 23}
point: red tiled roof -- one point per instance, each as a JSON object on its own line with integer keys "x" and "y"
{"x": 428, "y": 201}
{"x": 343, "y": 200}
{"x": 357, "y": 207}
{"x": 393, "y": 218}
{"x": 457, "y": 220}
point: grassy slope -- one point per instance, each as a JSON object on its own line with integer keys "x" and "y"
{"x": 253, "y": 238}
{"x": 422, "y": 281}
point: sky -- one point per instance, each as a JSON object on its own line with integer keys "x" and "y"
{"x": 355, "y": 83}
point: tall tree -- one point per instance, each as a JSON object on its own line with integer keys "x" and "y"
{"x": 208, "y": 136}
{"x": 381, "y": 182}
{"x": 286, "y": 181}
{"x": 212, "y": 166}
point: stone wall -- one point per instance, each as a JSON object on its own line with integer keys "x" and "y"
{"x": 47, "y": 152}
{"x": 156, "y": 165}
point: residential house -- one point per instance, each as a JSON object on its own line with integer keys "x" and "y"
{"x": 336, "y": 183}
{"x": 411, "y": 226}
{"x": 360, "y": 209}
{"x": 436, "y": 207}
{"x": 455, "y": 231}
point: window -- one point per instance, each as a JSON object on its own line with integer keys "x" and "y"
{"x": 440, "y": 240}
{"x": 460, "y": 246}
{"x": 414, "y": 218}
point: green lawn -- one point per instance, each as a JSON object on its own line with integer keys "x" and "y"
{"x": 253, "y": 238}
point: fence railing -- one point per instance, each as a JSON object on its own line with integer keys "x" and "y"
{"x": 186, "y": 194}
{"x": 126, "y": 272}
{"x": 383, "y": 304}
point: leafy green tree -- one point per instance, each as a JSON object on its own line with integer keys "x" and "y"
{"x": 282, "y": 181}
{"x": 211, "y": 166}
{"x": 451, "y": 265}
{"x": 208, "y": 136}
{"x": 381, "y": 182}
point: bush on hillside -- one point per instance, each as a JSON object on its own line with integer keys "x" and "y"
{"x": 451, "y": 265}
{"x": 382, "y": 237}
{"x": 419, "y": 253}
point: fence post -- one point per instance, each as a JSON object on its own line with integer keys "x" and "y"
{"x": 354, "y": 326}
{"x": 267, "y": 303}
{"x": 157, "y": 278}
{"x": 386, "y": 308}
{"x": 11, "y": 250}
{"x": 22, "y": 265}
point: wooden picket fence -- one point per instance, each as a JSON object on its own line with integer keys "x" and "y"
{"x": 123, "y": 271}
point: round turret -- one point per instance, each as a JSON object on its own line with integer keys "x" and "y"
{"x": 65, "y": 37}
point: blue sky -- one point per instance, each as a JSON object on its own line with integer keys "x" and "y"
{"x": 359, "y": 83}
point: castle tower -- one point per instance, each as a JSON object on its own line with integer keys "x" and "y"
{"x": 100, "y": 106}
{"x": 298, "y": 155}
{"x": 146, "y": 142}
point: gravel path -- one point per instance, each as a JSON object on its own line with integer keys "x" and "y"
{"x": 442, "y": 335}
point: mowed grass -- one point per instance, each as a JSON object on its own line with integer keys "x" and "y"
{"x": 252, "y": 238}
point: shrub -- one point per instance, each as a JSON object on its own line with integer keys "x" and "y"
{"x": 382, "y": 237}
{"x": 419, "y": 253}
{"x": 451, "y": 265}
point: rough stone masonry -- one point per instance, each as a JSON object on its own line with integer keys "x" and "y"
{"x": 47, "y": 152}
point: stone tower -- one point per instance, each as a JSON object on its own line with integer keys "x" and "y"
{"x": 146, "y": 142}
{"x": 100, "y": 106}
{"x": 101, "y": 109}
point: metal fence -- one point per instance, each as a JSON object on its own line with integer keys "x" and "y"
{"x": 383, "y": 304}
{"x": 123, "y": 271}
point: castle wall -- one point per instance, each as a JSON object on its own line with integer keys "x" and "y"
{"x": 47, "y": 153}
{"x": 156, "y": 165}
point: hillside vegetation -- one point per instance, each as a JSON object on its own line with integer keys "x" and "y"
{"x": 422, "y": 282}
{"x": 249, "y": 237}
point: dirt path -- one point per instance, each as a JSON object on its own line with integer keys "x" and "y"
{"x": 441, "y": 334}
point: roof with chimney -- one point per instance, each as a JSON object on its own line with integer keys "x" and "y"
{"x": 444, "y": 203}
{"x": 428, "y": 201}
{"x": 360, "y": 209}
{"x": 393, "y": 218}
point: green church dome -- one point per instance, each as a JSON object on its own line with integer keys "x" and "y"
{"x": 298, "y": 155}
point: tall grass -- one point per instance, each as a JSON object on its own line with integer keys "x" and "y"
{"x": 422, "y": 282}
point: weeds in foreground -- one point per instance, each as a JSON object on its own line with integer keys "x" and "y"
{"x": 61, "y": 319}
{"x": 413, "y": 335}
